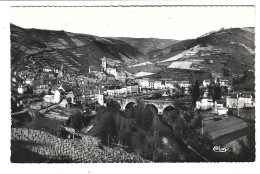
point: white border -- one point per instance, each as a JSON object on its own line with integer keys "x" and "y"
{"x": 7, "y": 167}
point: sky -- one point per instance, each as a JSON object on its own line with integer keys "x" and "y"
{"x": 140, "y": 22}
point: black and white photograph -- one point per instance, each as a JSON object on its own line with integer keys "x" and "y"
{"x": 132, "y": 84}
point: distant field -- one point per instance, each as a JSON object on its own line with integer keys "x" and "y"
{"x": 142, "y": 74}
{"x": 182, "y": 74}
{"x": 181, "y": 65}
{"x": 143, "y": 68}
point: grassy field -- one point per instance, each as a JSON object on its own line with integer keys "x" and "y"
{"x": 181, "y": 74}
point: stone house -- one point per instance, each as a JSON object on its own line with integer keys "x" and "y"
{"x": 240, "y": 100}
{"x": 75, "y": 95}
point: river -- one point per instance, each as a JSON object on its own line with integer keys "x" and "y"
{"x": 179, "y": 151}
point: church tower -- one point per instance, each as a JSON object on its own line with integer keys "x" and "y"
{"x": 104, "y": 64}
{"x": 61, "y": 72}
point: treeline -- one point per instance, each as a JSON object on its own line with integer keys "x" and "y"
{"x": 137, "y": 130}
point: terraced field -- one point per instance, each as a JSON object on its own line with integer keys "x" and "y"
{"x": 57, "y": 58}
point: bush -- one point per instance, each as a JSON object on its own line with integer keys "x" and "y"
{"x": 76, "y": 121}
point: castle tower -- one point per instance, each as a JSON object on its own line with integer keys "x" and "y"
{"x": 104, "y": 64}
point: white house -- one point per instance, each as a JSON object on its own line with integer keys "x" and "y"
{"x": 112, "y": 71}
{"x": 121, "y": 76}
{"x": 151, "y": 83}
{"x": 206, "y": 83}
{"x": 110, "y": 92}
{"x": 134, "y": 88}
{"x": 169, "y": 85}
{"x": 57, "y": 96}
{"x": 21, "y": 89}
{"x": 47, "y": 69}
{"x": 158, "y": 84}
{"x": 219, "y": 107}
{"x": 144, "y": 83}
{"x": 221, "y": 111}
{"x": 222, "y": 82}
{"x": 29, "y": 80}
{"x": 205, "y": 103}
{"x": 219, "y": 104}
{"x": 113, "y": 90}
{"x": 100, "y": 98}
{"x": 184, "y": 84}
{"x": 49, "y": 98}
{"x": 123, "y": 90}
{"x": 240, "y": 101}
{"x": 64, "y": 103}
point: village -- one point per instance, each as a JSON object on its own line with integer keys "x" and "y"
{"x": 209, "y": 104}
{"x": 52, "y": 85}
{"x": 132, "y": 84}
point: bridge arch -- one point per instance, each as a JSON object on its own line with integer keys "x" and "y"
{"x": 114, "y": 105}
{"x": 126, "y": 102}
{"x": 168, "y": 107}
{"x": 152, "y": 105}
{"x": 129, "y": 105}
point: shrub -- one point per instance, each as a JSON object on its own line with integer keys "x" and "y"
{"x": 76, "y": 120}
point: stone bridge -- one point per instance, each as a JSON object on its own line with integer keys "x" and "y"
{"x": 159, "y": 104}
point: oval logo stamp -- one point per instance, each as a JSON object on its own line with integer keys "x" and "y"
{"x": 220, "y": 149}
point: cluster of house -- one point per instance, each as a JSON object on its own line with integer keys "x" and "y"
{"x": 64, "y": 93}
{"x": 108, "y": 73}
{"x": 146, "y": 83}
{"x": 26, "y": 80}
{"x": 206, "y": 103}
{"x": 118, "y": 90}
{"x": 235, "y": 101}
{"x": 221, "y": 82}
{"x": 240, "y": 100}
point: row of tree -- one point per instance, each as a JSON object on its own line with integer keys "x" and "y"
{"x": 213, "y": 90}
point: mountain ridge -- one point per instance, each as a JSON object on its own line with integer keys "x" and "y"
{"x": 230, "y": 49}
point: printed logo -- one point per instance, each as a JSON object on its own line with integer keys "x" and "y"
{"x": 220, "y": 149}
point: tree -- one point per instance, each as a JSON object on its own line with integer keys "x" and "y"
{"x": 113, "y": 106}
{"x": 210, "y": 90}
{"x": 69, "y": 100}
{"x": 217, "y": 92}
{"x": 108, "y": 129}
{"x": 76, "y": 120}
{"x": 226, "y": 71}
{"x": 196, "y": 92}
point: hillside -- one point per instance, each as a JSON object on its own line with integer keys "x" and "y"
{"x": 34, "y": 47}
{"x": 229, "y": 50}
{"x": 148, "y": 44}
